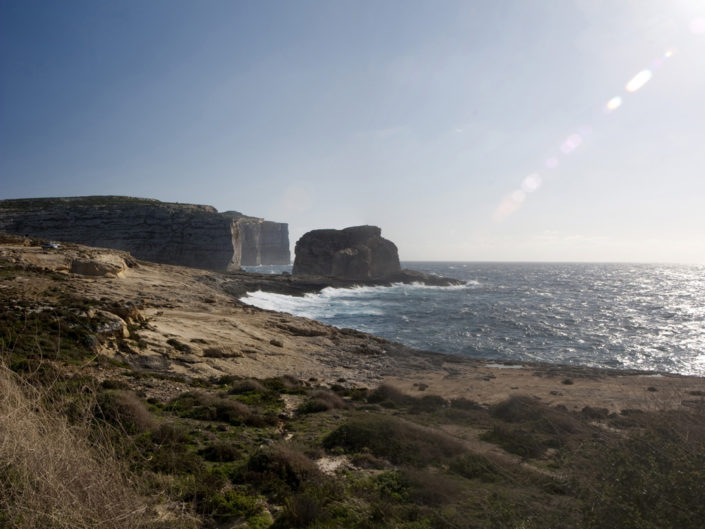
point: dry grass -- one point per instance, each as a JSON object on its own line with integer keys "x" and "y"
{"x": 50, "y": 477}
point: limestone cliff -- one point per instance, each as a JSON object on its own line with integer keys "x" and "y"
{"x": 356, "y": 253}
{"x": 262, "y": 241}
{"x": 182, "y": 234}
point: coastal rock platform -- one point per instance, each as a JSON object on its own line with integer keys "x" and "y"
{"x": 190, "y": 323}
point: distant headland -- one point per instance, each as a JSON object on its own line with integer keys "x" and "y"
{"x": 171, "y": 233}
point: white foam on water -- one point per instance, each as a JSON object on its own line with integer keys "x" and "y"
{"x": 335, "y": 302}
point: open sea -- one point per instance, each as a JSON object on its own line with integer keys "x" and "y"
{"x": 624, "y": 316}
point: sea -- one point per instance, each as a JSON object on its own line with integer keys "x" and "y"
{"x": 623, "y": 316}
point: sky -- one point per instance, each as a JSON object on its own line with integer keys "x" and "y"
{"x": 486, "y": 130}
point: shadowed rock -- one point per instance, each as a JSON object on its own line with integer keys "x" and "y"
{"x": 356, "y": 253}
{"x": 182, "y": 234}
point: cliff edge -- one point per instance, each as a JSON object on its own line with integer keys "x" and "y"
{"x": 181, "y": 234}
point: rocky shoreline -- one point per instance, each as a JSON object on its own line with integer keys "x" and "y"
{"x": 181, "y": 321}
{"x": 240, "y": 283}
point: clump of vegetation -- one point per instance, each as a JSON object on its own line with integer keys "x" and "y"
{"x": 205, "y": 406}
{"x": 280, "y": 468}
{"x": 52, "y": 475}
{"x": 321, "y": 400}
{"x": 475, "y": 466}
{"x": 124, "y": 409}
{"x": 654, "y": 478}
{"x": 397, "y": 440}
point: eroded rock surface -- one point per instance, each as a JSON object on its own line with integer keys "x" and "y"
{"x": 356, "y": 253}
{"x": 182, "y": 234}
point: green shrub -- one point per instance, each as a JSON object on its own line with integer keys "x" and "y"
{"x": 233, "y": 504}
{"x": 175, "y": 459}
{"x": 557, "y": 423}
{"x": 285, "y": 384}
{"x": 124, "y": 409}
{"x": 516, "y": 441}
{"x": 389, "y": 393}
{"x": 475, "y": 466}
{"x": 428, "y": 404}
{"x": 321, "y": 400}
{"x": 170, "y": 433}
{"x": 429, "y": 488}
{"x": 653, "y": 480}
{"x": 312, "y": 406}
{"x": 239, "y": 387}
{"x": 280, "y": 467}
{"x": 220, "y": 452}
{"x": 465, "y": 404}
{"x": 208, "y": 407}
{"x": 394, "y": 439}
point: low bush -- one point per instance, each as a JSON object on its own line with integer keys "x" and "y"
{"x": 280, "y": 468}
{"x": 170, "y": 433}
{"x": 175, "y": 459}
{"x": 208, "y": 407}
{"x": 249, "y": 385}
{"x": 125, "y": 410}
{"x": 387, "y": 393}
{"x": 557, "y": 423}
{"x": 428, "y": 404}
{"x": 475, "y": 466}
{"x": 430, "y": 488}
{"x": 465, "y": 404}
{"x": 519, "y": 408}
{"x": 321, "y": 400}
{"x": 397, "y": 440}
{"x": 516, "y": 441}
{"x": 655, "y": 479}
{"x": 285, "y": 384}
{"x": 220, "y": 452}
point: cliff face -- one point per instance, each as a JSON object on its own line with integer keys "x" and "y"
{"x": 182, "y": 234}
{"x": 263, "y": 242}
{"x": 357, "y": 253}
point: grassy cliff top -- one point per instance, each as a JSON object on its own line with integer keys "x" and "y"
{"x": 24, "y": 204}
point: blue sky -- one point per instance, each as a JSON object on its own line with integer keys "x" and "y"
{"x": 466, "y": 130}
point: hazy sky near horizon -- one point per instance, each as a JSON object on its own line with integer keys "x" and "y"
{"x": 526, "y": 130}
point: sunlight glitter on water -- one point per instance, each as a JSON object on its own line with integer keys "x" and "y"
{"x": 646, "y": 317}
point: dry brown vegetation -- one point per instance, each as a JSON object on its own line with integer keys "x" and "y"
{"x": 51, "y": 476}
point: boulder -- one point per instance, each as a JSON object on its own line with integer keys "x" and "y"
{"x": 102, "y": 266}
{"x": 356, "y": 253}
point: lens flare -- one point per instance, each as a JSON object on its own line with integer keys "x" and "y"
{"x": 613, "y": 104}
{"x": 531, "y": 183}
{"x": 505, "y": 208}
{"x": 552, "y": 162}
{"x": 571, "y": 143}
{"x": 638, "y": 81}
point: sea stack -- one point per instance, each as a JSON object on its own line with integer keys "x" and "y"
{"x": 355, "y": 253}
